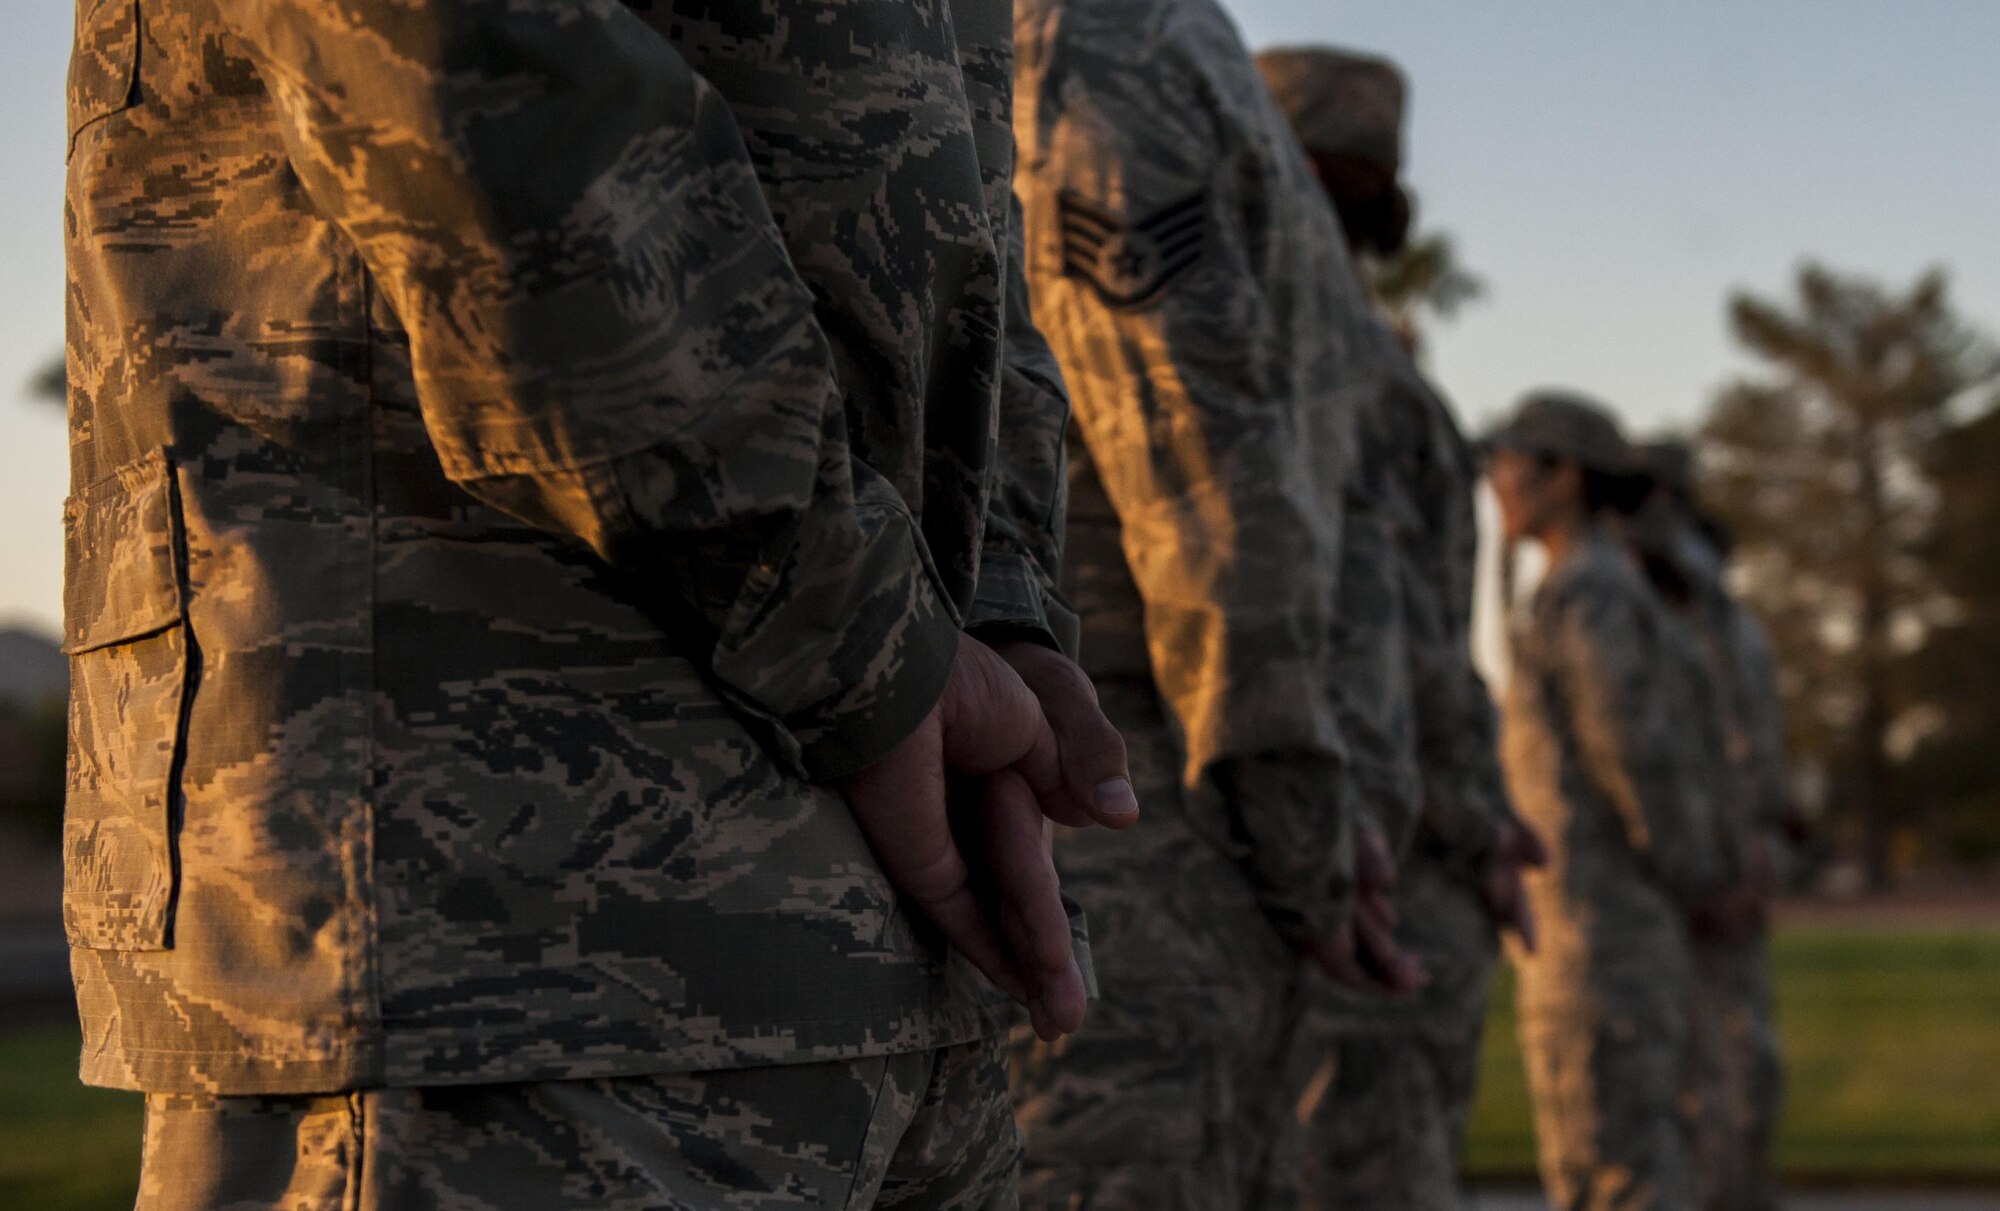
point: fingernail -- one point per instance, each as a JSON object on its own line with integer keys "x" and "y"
{"x": 1116, "y": 798}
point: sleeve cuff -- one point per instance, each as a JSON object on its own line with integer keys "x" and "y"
{"x": 1282, "y": 708}
{"x": 1012, "y": 602}
{"x": 847, "y": 736}
{"x": 1079, "y": 945}
{"x": 1463, "y": 823}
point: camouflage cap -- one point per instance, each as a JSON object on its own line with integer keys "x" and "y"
{"x": 1565, "y": 424}
{"x": 1339, "y": 102}
{"x": 1670, "y": 463}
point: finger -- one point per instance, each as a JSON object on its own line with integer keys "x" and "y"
{"x": 1336, "y": 957}
{"x": 1374, "y": 866}
{"x": 903, "y": 814}
{"x": 944, "y": 894}
{"x": 1378, "y": 906}
{"x": 1095, "y": 771}
{"x": 1031, "y": 908}
{"x": 1524, "y": 925}
{"x": 1374, "y": 945}
{"x": 991, "y": 719}
{"x": 1349, "y": 973}
{"x": 1379, "y": 952}
{"x": 1024, "y": 875}
{"x": 964, "y": 924}
{"x": 1529, "y": 848}
{"x": 1040, "y": 769}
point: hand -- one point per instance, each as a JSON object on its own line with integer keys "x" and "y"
{"x": 987, "y": 727}
{"x": 1760, "y": 872}
{"x": 1364, "y": 954}
{"x": 1501, "y": 885}
{"x": 1730, "y": 916}
{"x": 1797, "y": 826}
{"x": 1096, "y": 784}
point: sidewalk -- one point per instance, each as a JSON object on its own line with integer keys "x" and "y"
{"x": 1926, "y": 1200}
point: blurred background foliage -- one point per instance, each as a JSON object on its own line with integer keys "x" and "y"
{"x": 1860, "y": 475}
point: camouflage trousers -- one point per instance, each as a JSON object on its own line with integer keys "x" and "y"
{"x": 1141, "y": 1112}
{"x": 1608, "y": 1115}
{"x": 1736, "y": 1077}
{"x": 927, "y": 1129}
{"x": 1383, "y": 1090}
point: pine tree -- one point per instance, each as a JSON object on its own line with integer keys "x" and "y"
{"x": 1819, "y": 465}
{"x": 1954, "y": 769}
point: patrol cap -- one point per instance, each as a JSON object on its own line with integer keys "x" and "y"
{"x": 1339, "y": 102}
{"x": 1568, "y": 425}
{"x": 1670, "y": 463}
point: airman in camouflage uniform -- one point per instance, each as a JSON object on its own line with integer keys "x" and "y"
{"x": 524, "y": 458}
{"x": 1196, "y": 289}
{"x": 1386, "y": 1086}
{"x": 1595, "y": 762}
{"x": 1692, "y": 680}
{"x": 1736, "y": 1066}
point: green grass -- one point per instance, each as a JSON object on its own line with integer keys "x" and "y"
{"x": 1893, "y": 1043}
{"x": 62, "y": 1147}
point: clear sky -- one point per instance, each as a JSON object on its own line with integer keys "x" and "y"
{"x": 1612, "y": 171}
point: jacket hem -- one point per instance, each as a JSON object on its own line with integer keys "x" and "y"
{"x": 475, "y": 1059}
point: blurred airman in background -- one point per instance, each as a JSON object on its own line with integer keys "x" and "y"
{"x": 1596, "y": 762}
{"x": 1219, "y": 348}
{"x": 1384, "y": 1087}
{"x": 1736, "y": 1072}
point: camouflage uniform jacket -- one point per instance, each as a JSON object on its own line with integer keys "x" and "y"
{"x": 1375, "y": 652}
{"x": 1460, "y": 799}
{"x": 1747, "y": 673}
{"x": 1696, "y": 682}
{"x": 1195, "y": 286}
{"x": 1464, "y": 792}
{"x": 1759, "y": 716}
{"x": 1593, "y": 757}
{"x": 521, "y": 454}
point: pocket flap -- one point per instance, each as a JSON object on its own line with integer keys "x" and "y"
{"x": 121, "y": 576}
{"x": 103, "y": 64}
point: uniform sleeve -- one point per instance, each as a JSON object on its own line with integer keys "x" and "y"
{"x": 610, "y": 341}
{"x": 1372, "y": 681}
{"x": 1762, "y": 714}
{"x": 1465, "y": 791}
{"x": 1149, "y": 289}
{"x": 1465, "y": 794}
{"x": 1021, "y": 563}
{"x": 1621, "y": 716}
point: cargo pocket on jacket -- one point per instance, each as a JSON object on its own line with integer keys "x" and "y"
{"x": 124, "y": 630}
{"x": 103, "y": 64}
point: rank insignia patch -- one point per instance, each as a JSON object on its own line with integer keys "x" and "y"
{"x": 1131, "y": 264}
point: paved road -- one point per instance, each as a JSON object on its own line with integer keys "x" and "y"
{"x": 1922, "y": 1201}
